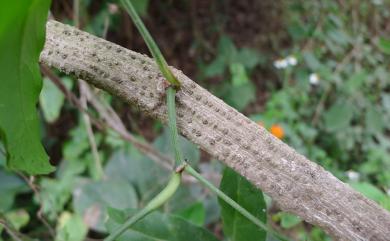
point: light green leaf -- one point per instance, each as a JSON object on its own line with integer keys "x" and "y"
{"x": 158, "y": 227}
{"x": 143, "y": 173}
{"x": 78, "y": 143}
{"x": 239, "y": 97}
{"x": 384, "y": 45}
{"x": 236, "y": 226}
{"x": 22, "y": 25}
{"x": 311, "y": 61}
{"x": 196, "y": 213}
{"x": 71, "y": 227}
{"x": 374, "y": 121}
{"x": 93, "y": 198}
{"x": 54, "y": 195}
{"x": 249, "y": 58}
{"x": 338, "y": 116}
{"x": 368, "y": 190}
{"x": 226, "y": 49}
{"x": 355, "y": 82}
{"x": 51, "y": 99}
{"x": 239, "y": 76}
{"x": 288, "y": 220}
{"x": 18, "y": 218}
{"x": 216, "y": 67}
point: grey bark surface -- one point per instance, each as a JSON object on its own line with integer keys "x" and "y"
{"x": 298, "y": 185}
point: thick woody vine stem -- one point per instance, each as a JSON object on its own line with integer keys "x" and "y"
{"x": 298, "y": 185}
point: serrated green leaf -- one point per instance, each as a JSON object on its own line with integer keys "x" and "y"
{"x": 236, "y": 226}
{"x": 22, "y": 25}
{"x": 158, "y": 227}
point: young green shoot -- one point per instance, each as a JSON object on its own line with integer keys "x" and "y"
{"x": 154, "y": 204}
{"x": 153, "y": 48}
{"x": 162, "y": 64}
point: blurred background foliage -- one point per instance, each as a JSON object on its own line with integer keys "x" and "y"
{"x": 314, "y": 73}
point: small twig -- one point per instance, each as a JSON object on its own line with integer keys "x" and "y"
{"x": 98, "y": 173}
{"x": 91, "y": 137}
{"x": 35, "y": 189}
{"x": 72, "y": 98}
{"x": 113, "y": 122}
{"x": 15, "y": 235}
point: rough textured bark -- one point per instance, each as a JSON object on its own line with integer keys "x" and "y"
{"x": 298, "y": 185}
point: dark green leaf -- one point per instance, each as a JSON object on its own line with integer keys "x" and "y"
{"x": 22, "y": 25}
{"x": 158, "y": 227}
{"x": 236, "y": 226}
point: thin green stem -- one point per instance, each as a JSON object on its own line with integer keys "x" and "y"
{"x": 155, "y": 203}
{"x": 175, "y": 181}
{"x": 231, "y": 202}
{"x": 153, "y": 48}
{"x": 171, "y": 93}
